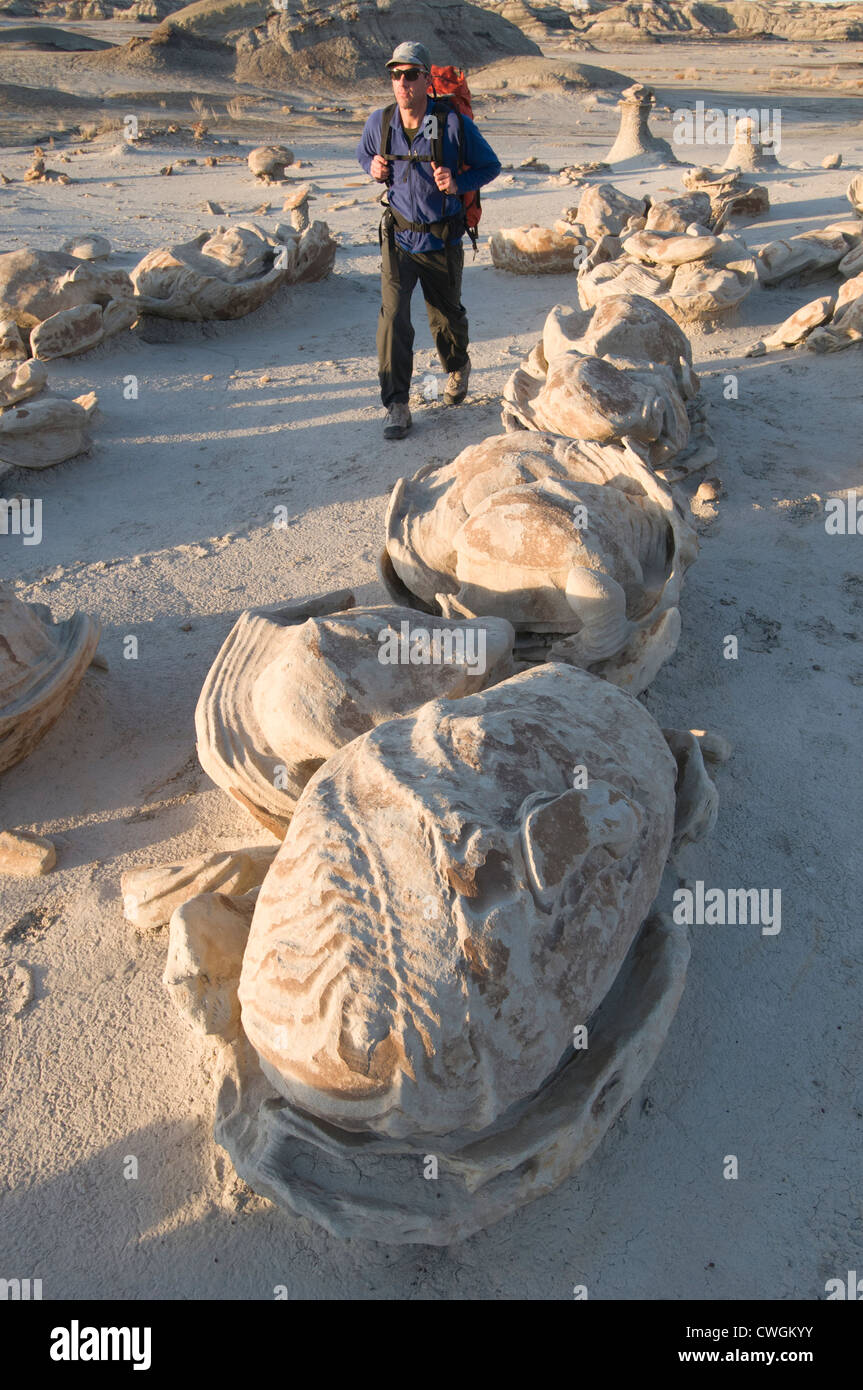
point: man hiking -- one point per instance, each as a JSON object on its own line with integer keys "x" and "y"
{"x": 431, "y": 155}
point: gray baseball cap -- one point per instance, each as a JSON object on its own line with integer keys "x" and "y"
{"x": 411, "y": 54}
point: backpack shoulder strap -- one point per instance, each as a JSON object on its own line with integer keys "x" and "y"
{"x": 386, "y": 122}
{"x": 437, "y": 144}
{"x": 460, "y": 134}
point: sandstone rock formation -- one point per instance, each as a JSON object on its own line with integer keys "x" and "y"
{"x": 810, "y": 256}
{"x": 487, "y": 853}
{"x": 535, "y": 250}
{"x": 854, "y": 194}
{"x": 731, "y": 195}
{"x": 62, "y": 304}
{"x": 44, "y": 429}
{"x": 796, "y": 327}
{"x": 90, "y": 247}
{"x": 692, "y": 276}
{"x": 604, "y": 210}
{"x": 287, "y": 690}
{"x": 205, "y": 957}
{"x": 676, "y": 213}
{"x": 297, "y": 204}
{"x": 620, "y": 372}
{"x": 750, "y": 153}
{"x": 268, "y": 162}
{"x": 12, "y": 345}
{"x": 350, "y": 1061}
{"x": 227, "y": 274}
{"x": 579, "y": 547}
{"x": 636, "y": 145}
{"x": 21, "y": 380}
{"x": 41, "y": 665}
{"x": 26, "y": 855}
{"x": 846, "y": 324}
{"x": 851, "y": 264}
{"x": 151, "y": 895}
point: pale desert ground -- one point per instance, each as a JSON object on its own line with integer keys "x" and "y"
{"x": 281, "y": 408}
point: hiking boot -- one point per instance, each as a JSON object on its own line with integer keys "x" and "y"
{"x": 456, "y": 385}
{"x": 398, "y": 421}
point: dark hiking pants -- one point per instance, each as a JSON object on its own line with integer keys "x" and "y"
{"x": 439, "y": 274}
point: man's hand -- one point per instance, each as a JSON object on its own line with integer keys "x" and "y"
{"x": 380, "y": 169}
{"x": 444, "y": 179}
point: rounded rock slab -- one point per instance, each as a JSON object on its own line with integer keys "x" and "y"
{"x": 447, "y": 901}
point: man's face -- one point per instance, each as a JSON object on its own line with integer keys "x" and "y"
{"x": 409, "y": 85}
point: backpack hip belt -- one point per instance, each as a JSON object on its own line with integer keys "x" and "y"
{"x": 443, "y": 229}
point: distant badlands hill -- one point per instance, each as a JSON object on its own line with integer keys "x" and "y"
{"x": 658, "y": 20}
{"x": 579, "y": 22}
{"x": 573, "y": 23}
{"x": 598, "y": 22}
{"x": 308, "y": 41}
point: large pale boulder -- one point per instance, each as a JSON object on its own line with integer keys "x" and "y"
{"x": 710, "y": 287}
{"x": 21, "y": 380}
{"x": 62, "y": 304}
{"x": 227, "y": 274}
{"x": 634, "y": 388}
{"x": 622, "y": 276}
{"x": 286, "y": 691}
{"x": 605, "y": 210}
{"x": 810, "y": 256}
{"x": 268, "y": 162}
{"x": 41, "y": 665}
{"x": 46, "y": 430}
{"x": 846, "y": 326}
{"x": 482, "y": 835}
{"x": 731, "y": 194}
{"x": 581, "y": 548}
{"x": 75, "y": 330}
{"x": 796, "y": 327}
{"x": 667, "y": 248}
{"x": 535, "y": 250}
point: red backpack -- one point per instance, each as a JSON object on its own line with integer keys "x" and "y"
{"x": 451, "y": 83}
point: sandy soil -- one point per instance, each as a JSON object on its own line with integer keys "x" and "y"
{"x": 282, "y": 409}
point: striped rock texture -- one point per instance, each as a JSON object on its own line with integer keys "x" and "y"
{"x": 41, "y": 664}
{"x": 618, "y": 370}
{"x": 284, "y": 694}
{"x": 581, "y": 547}
{"x": 456, "y": 892}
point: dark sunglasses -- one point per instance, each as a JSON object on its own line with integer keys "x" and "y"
{"x": 409, "y": 74}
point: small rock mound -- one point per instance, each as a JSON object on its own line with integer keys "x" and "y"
{"x": 527, "y": 76}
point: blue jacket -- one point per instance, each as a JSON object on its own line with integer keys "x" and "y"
{"x": 412, "y": 189}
